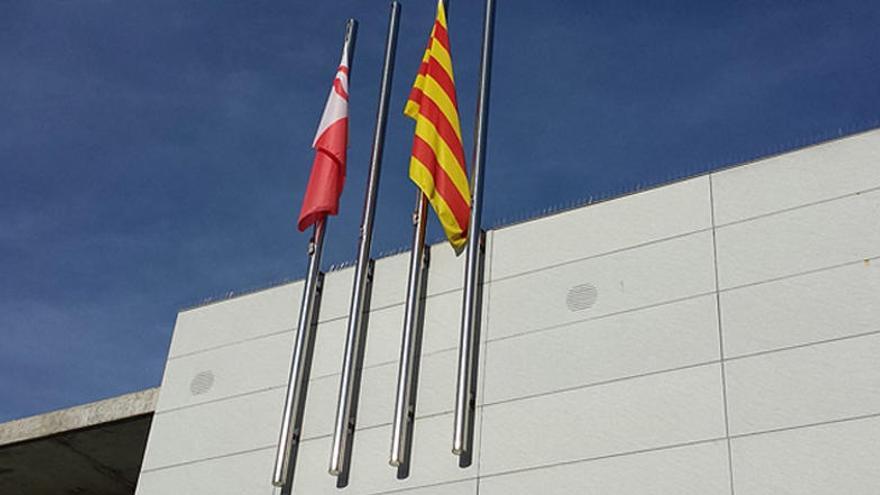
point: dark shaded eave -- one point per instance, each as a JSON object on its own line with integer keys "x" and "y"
{"x": 96, "y": 448}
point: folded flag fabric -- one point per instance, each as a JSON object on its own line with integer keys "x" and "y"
{"x": 437, "y": 164}
{"x": 331, "y": 140}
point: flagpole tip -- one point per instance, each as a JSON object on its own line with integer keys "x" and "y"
{"x": 351, "y": 26}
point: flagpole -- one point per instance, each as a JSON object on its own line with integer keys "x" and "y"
{"x": 468, "y": 352}
{"x": 410, "y": 344}
{"x": 298, "y": 381}
{"x": 349, "y": 384}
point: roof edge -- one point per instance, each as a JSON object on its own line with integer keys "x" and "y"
{"x": 838, "y": 134}
{"x": 77, "y": 417}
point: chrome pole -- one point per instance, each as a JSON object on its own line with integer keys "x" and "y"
{"x": 349, "y": 383}
{"x": 465, "y": 395}
{"x": 404, "y": 404}
{"x": 300, "y": 366}
{"x": 298, "y": 381}
{"x": 410, "y": 344}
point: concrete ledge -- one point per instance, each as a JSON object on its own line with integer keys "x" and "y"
{"x": 84, "y": 416}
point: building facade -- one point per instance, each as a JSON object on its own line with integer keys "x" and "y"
{"x": 717, "y": 335}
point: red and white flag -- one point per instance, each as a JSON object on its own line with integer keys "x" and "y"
{"x": 328, "y": 170}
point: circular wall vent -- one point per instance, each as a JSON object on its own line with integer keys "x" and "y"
{"x": 202, "y": 382}
{"x": 581, "y": 297}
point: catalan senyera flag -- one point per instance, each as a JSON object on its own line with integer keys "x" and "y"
{"x": 331, "y": 141}
{"x": 437, "y": 165}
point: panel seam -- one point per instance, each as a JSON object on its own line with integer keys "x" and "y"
{"x": 602, "y": 254}
{"x": 771, "y": 431}
{"x": 570, "y": 388}
{"x": 799, "y": 207}
{"x": 721, "y": 338}
{"x": 537, "y": 330}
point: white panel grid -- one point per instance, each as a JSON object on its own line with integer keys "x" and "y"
{"x": 815, "y": 307}
{"x": 804, "y": 386}
{"x": 238, "y": 369}
{"x": 635, "y": 278}
{"x": 650, "y": 216}
{"x": 632, "y": 415}
{"x": 700, "y": 469}
{"x": 818, "y": 173}
{"x": 433, "y": 462}
{"x": 829, "y": 459}
{"x": 796, "y": 307}
{"x": 234, "y": 320}
{"x": 651, "y": 340}
{"x": 241, "y": 473}
{"x": 239, "y": 394}
{"x": 238, "y": 397}
{"x": 801, "y": 362}
{"x": 798, "y": 241}
{"x": 213, "y": 430}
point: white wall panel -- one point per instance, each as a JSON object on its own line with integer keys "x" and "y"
{"x": 581, "y": 400}
{"x": 433, "y": 461}
{"x": 378, "y": 385}
{"x": 214, "y": 429}
{"x": 802, "y": 386}
{"x": 389, "y": 283}
{"x": 661, "y": 272}
{"x": 812, "y": 174}
{"x": 800, "y": 310}
{"x": 276, "y": 309}
{"x": 458, "y": 488}
{"x": 336, "y": 296}
{"x": 330, "y": 344}
{"x": 446, "y": 271}
{"x": 379, "y": 377}
{"x": 625, "y": 416}
{"x": 248, "y": 473}
{"x": 692, "y": 470}
{"x": 236, "y": 369}
{"x": 647, "y": 216}
{"x": 389, "y": 287}
{"x": 442, "y": 317}
{"x": 443, "y": 321}
{"x": 793, "y": 242}
{"x": 240, "y": 318}
{"x": 833, "y": 459}
{"x": 260, "y": 364}
{"x": 644, "y": 341}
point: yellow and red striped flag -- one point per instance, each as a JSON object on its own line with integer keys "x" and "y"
{"x": 437, "y": 164}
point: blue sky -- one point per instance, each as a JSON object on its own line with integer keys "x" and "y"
{"x": 154, "y": 154}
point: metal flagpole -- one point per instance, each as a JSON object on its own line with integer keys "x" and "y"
{"x": 349, "y": 383}
{"x": 410, "y": 345}
{"x": 405, "y": 399}
{"x": 297, "y": 383}
{"x": 465, "y": 396}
